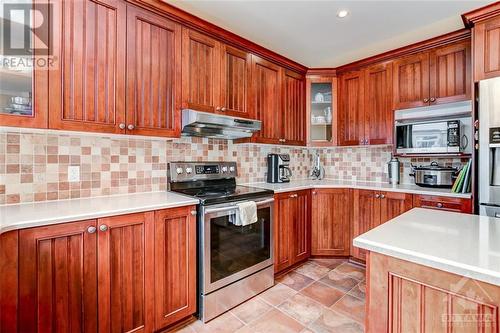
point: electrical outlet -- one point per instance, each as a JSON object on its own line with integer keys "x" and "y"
{"x": 74, "y": 173}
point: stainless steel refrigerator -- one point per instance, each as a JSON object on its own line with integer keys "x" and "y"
{"x": 489, "y": 147}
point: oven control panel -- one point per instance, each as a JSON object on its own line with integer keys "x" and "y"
{"x": 191, "y": 171}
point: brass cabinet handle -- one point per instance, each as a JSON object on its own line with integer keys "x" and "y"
{"x": 122, "y": 126}
{"x": 223, "y": 109}
{"x": 377, "y": 195}
{"x": 382, "y": 196}
{"x": 103, "y": 227}
{"x": 130, "y": 127}
{"x": 91, "y": 229}
{"x": 433, "y": 99}
{"x": 426, "y": 100}
{"x": 217, "y": 108}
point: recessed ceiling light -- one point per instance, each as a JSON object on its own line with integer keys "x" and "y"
{"x": 342, "y": 13}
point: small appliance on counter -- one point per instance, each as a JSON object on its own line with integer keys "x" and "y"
{"x": 434, "y": 175}
{"x": 393, "y": 169}
{"x": 278, "y": 168}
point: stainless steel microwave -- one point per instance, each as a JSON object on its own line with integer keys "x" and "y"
{"x": 440, "y": 129}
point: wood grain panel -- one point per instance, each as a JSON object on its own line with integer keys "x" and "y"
{"x": 200, "y": 71}
{"x": 9, "y": 281}
{"x": 266, "y": 99}
{"x": 366, "y": 215}
{"x": 487, "y": 49}
{"x": 293, "y": 121}
{"x": 411, "y": 81}
{"x": 450, "y": 73}
{"x": 379, "y": 115}
{"x": 301, "y": 228}
{"x": 405, "y": 297}
{"x": 58, "y": 278}
{"x": 331, "y": 220}
{"x": 352, "y": 108}
{"x": 235, "y": 81}
{"x": 175, "y": 265}
{"x": 126, "y": 273}
{"x": 87, "y": 90}
{"x": 393, "y": 204}
{"x": 459, "y": 205}
{"x": 153, "y": 74}
{"x": 283, "y": 228}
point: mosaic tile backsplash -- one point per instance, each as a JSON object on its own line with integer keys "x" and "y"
{"x": 34, "y": 164}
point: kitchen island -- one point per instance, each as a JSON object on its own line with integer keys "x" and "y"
{"x": 433, "y": 271}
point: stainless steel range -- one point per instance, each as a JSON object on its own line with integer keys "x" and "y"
{"x": 234, "y": 262}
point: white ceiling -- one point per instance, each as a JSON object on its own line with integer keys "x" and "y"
{"x": 310, "y": 33}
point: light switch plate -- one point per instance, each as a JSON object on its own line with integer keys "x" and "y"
{"x": 74, "y": 173}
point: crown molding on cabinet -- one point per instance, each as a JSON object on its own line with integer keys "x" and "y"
{"x": 481, "y": 14}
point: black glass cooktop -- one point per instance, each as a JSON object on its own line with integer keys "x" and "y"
{"x": 221, "y": 194}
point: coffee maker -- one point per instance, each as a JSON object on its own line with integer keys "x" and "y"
{"x": 278, "y": 168}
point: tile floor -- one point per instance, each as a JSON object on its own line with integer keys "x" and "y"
{"x": 322, "y": 295}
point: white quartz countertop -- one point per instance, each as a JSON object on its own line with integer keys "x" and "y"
{"x": 464, "y": 244}
{"x": 296, "y": 185}
{"x": 29, "y": 215}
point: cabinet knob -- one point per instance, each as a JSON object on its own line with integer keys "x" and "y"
{"x": 439, "y": 205}
{"x": 91, "y": 229}
{"x": 223, "y": 109}
{"x": 433, "y": 99}
{"x": 426, "y": 100}
{"x": 377, "y": 195}
{"x": 314, "y": 193}
{"x": 122, "y": 126}
{"x": 103, "y": 227}
{"x": 382, "y": 196}
{"x": 130, "y": 127}
{"x": 218, "y": 108}
{"x": 193, "y": 212}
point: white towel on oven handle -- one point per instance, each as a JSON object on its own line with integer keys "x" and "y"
{"x": 247, "y": 213}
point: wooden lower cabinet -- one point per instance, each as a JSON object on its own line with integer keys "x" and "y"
{"x": 291, "y": 229}
{"x": 330, "y": 223}
{"x": 175, "y": 265}
{"x": 127, "y": 273}
{"x": 459, "y": 205}
{"x": 373, "y": 208}
{"x": 407, "y": 297}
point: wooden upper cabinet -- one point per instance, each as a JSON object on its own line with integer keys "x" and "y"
{"x": 235, "y": 81}
{"x": 126, "y": 273}
{"x": 486, "y": 49}
{"x": 331, "y": 221}
{"x": 87, "y": 89}
{"x": 301, "y": 228}
{"x": 293, "y": 121}
{"x": 266, "y": 99}
{"x": 378, "y": 112}
{"x": 450, "y": 73}
{"x": 200, "y": 71}
{"x": 58, "y": 278}
{"x": 351, "y": 113}
{"x": 153, "y": 74}
{"x": 411, "y": 81}
{"x": 175, "y": 265}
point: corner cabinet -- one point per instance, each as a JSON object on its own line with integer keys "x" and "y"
{"x": 127, "y": 273}
{"x": 352, "y": 109}
{"x": 321, "y": 111}
{"x": 291, "y": 229}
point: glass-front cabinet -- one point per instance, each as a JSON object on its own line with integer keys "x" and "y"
{"x": 321, "y": 111}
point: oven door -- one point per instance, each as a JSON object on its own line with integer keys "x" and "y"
{"x": 422, "y": 138}
{"x": 230, "y": 253}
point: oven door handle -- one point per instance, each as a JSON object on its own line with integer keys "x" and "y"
{"x": 223, "y": 209}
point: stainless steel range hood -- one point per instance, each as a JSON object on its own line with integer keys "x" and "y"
{"x": 196, "y": 123}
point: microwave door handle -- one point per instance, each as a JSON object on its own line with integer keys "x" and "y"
{"x": 465, "y": 142}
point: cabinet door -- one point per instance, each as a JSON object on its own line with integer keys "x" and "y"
{"x": 58, "y": 278}
{"x": 351, "y": 114}
{"x": 293, "y": 122}
{"x": 393, "y": 204}
{"x": 175, "y": 265}
{"x": 379, "y": 114}
{"x": 411, "y": 81}
{"x": 266, "y": 99}
{"x": 486, "y": 45}
{"x": 331, "y": 217}
{"x": 301, "y": 228}
{"x": 126, "y": 273}
{"x": 235, "y": 81}
{"x": 283, "y": 228}
{"x": 366, "y": 216}
{"x": 153, "y": 74}
{"x": 200, "y": 71}
{"x": 459, "y": 205}
{"x": 87, "y": 90}
{"x": 450, "y": 77}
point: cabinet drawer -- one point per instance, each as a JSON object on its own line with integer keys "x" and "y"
{"x": 459, "y": 205}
